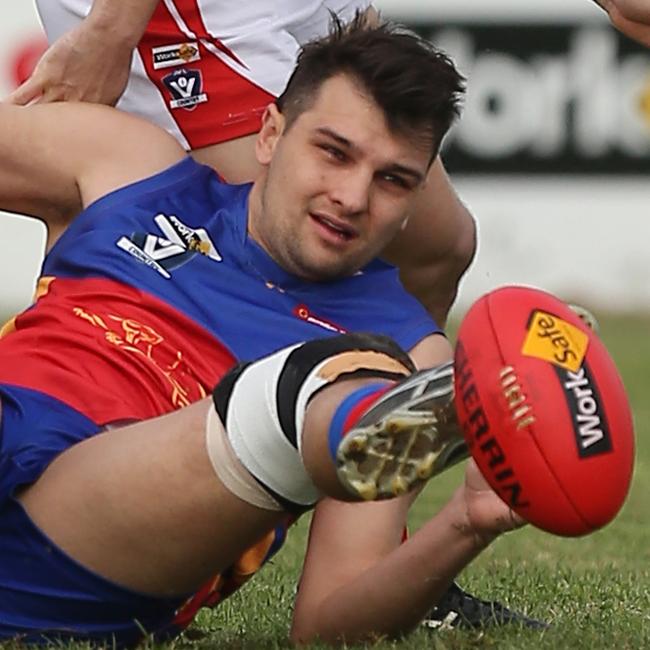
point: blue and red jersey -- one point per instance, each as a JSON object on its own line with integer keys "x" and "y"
{"x": 155, "y": 291}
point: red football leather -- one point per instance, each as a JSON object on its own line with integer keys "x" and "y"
{"x": 544, "y": 410}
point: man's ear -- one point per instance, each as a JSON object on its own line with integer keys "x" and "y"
{"x": 273, "y": 124}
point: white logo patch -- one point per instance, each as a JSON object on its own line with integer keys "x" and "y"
{"x": 168, "y": 56}
{"x": 178, "y": 246}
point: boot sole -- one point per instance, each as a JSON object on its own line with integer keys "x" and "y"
{"x": 416, "y": 437}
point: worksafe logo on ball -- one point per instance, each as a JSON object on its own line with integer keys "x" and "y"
{"x": 186, "y": 88}
{"x": 585, "y": 404}
{"x": 552, "y": 339}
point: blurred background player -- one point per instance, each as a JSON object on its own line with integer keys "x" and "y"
{"x": 165, "y": 280}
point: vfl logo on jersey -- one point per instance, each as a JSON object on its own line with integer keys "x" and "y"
{"x": 185, "y": 87}
{"x": 168, "y": 56}
{"x": 178, "y": 246}
{"x": 589, "y": 421}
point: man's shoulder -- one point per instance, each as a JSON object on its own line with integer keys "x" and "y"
{"x": 163, "y": 220}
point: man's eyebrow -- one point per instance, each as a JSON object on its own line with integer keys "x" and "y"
{"x": 324, "y": 130}
{"x": 395, "y": 168}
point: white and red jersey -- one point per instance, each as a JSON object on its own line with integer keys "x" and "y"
{"x": 206, "y": 69}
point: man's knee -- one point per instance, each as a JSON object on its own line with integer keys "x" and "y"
{"x": 262, "y": 405}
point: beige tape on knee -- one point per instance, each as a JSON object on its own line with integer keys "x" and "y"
{"x": 229, "y": 468}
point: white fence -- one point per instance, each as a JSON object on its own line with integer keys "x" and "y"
{"x": 583, "y": 236}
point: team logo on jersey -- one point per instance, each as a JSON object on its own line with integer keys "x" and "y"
{"x": 168, "y": 56}
{"x": 185, "y": 87}
{"x": 178, "y": 246}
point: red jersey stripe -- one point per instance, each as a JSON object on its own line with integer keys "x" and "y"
{"x": 111, "y": 351}
{"x": 208, "y": 100}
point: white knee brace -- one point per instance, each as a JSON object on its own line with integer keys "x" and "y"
{"x": 262, "y": 406}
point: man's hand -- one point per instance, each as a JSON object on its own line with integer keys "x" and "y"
{"x": 85, "y": 64}
{"x": 631, "y": 17}
{"x": 487, "y": 516}
{"x": 91, "y": 62}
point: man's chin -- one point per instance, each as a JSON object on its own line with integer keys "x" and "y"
{"x": 325, "y": 272}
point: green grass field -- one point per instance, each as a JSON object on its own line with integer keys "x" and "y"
{"x": 594, "y": 590}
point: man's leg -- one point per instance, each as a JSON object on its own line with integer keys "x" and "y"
{"x": 234, "y": 160}
{"x": 143, "y": 505}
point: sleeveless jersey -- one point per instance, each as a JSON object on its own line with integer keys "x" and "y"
{"x": 155, "y": 290}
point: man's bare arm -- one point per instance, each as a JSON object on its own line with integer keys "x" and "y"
{"x": 356, "y": 586}
{"x": 55, "y": 159}
{"x": 359, "y": 580}
{"x": 92, "y": 61}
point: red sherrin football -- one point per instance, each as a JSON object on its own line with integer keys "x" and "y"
{"x": 543, "y": 410}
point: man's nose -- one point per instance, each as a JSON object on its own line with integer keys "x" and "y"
{"x": 352, "y": 190}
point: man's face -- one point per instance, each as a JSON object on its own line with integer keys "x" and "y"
{"x": 337, "y": 185}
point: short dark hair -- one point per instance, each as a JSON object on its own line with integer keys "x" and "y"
{"x": 415, "y": 84}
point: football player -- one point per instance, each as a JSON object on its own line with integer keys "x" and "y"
{"x": 205, "y": 72}
{"x": 130, "y": 497}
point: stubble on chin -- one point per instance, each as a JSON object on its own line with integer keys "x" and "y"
{"x": 315, "y": 271}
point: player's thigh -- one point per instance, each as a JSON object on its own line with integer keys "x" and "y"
{"x": 110, "y": 500}
{"x": 234, "y": 160}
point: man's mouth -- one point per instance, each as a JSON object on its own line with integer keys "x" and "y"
{"x": 337, "y": 228}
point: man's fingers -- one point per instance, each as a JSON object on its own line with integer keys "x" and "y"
{"x": 26, "y": 93}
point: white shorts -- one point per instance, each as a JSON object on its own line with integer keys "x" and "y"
{"x": 206, "y": 69}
